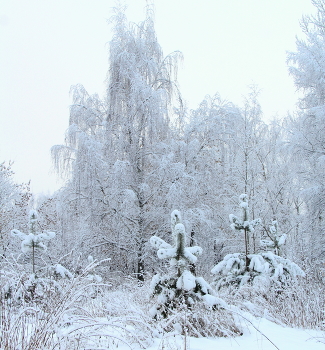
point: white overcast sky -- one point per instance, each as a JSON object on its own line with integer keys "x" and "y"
{"x": 48, "y": 45}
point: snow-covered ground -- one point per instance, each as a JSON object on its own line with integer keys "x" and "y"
{"x": 283, "y": 338}
{"x": 125, "y": 324}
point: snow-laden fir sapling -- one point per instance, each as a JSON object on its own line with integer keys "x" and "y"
{"x": 244, "y": 224}
{"x": 262, "y": 268}
{"x": 179, "y": 288}
{"x": 33, "y": 241}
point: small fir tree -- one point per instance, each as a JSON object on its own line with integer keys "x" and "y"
{"x": 260, "y": 269}
{"x": 180, "y": 288}
{"x": 244, "y": 224}
{"x": 34, "y": 240}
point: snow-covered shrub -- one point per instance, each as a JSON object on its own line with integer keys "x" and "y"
{"x": 53, "y": 318}
{"x": 41, "y": 284}
{"x": 180, "y": 294}
{"x": 263, "y": 269}
{"x": 93, "y": 278}
{"x": 299, "y": 304}
{"x": 19, "y": 287}
{"x": 180, "y": 285}
{"x": 58, "y": 271}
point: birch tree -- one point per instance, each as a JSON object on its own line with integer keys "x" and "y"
{"x": 117, "y": 148}
{"x": 307, "y": 140}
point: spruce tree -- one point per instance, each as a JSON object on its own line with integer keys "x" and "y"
{"x": 34, "y": 241}
{"x": 179, "y": 288}
{"x": 261, "y": 268}
{"x": 244, "y": 224}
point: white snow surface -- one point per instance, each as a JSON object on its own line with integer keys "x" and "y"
{"x": 186, "y": 281}
{"x": 258, "y": 334}
{"x": 62, "y": 271}
{"x": 166, "y": 253}
{"x": 284, "y": 338}
{"x": 159, "y": 243}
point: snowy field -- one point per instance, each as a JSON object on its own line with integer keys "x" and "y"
{"x": 283, "y": 338}
{"x": 258, "y": 334}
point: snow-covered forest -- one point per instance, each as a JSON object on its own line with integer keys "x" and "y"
{"x": 173, "y": 224}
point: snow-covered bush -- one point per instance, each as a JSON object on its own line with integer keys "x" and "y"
{"x": 58, "y": 271}
{"x": 263, "y": 269}
{"x": 179, "y": 293}
{"x": 299, "y": 304}
{"x": 63, "y": 320}
{"x": 19, "y": 287}
{"x": 93, "y": 278}
{"x": 29, "y": 289}
{"x": 180, "y": 286}
{"x": 260, "y": 269}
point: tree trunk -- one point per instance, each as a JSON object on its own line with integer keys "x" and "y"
{"x": 33, "y": 257}
{"x": 192, "y": 266}
{"x": 246, "y": 248}
{"x": 140, "y": 243}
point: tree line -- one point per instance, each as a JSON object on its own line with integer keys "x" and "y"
{"x": 136, "y": 154}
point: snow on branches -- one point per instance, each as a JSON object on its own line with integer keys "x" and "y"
{"x": 267, "y": 266}
{"x": 276, "y": 240}
{"x": 244, "y": 223}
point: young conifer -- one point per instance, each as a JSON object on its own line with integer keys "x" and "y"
{"x": 179, "y": 288}
{"x": 34, "y": 240}
{"x": 262, "y": 268}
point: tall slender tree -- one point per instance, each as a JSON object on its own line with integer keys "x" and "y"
{"x": 307, "y": 139}
{"x": 140, "y": 89}
{"x": 118, "y": 147}
{"x": 14, "y": 202}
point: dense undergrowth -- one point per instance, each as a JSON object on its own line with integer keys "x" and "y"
{"x": 76, "y": 313}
